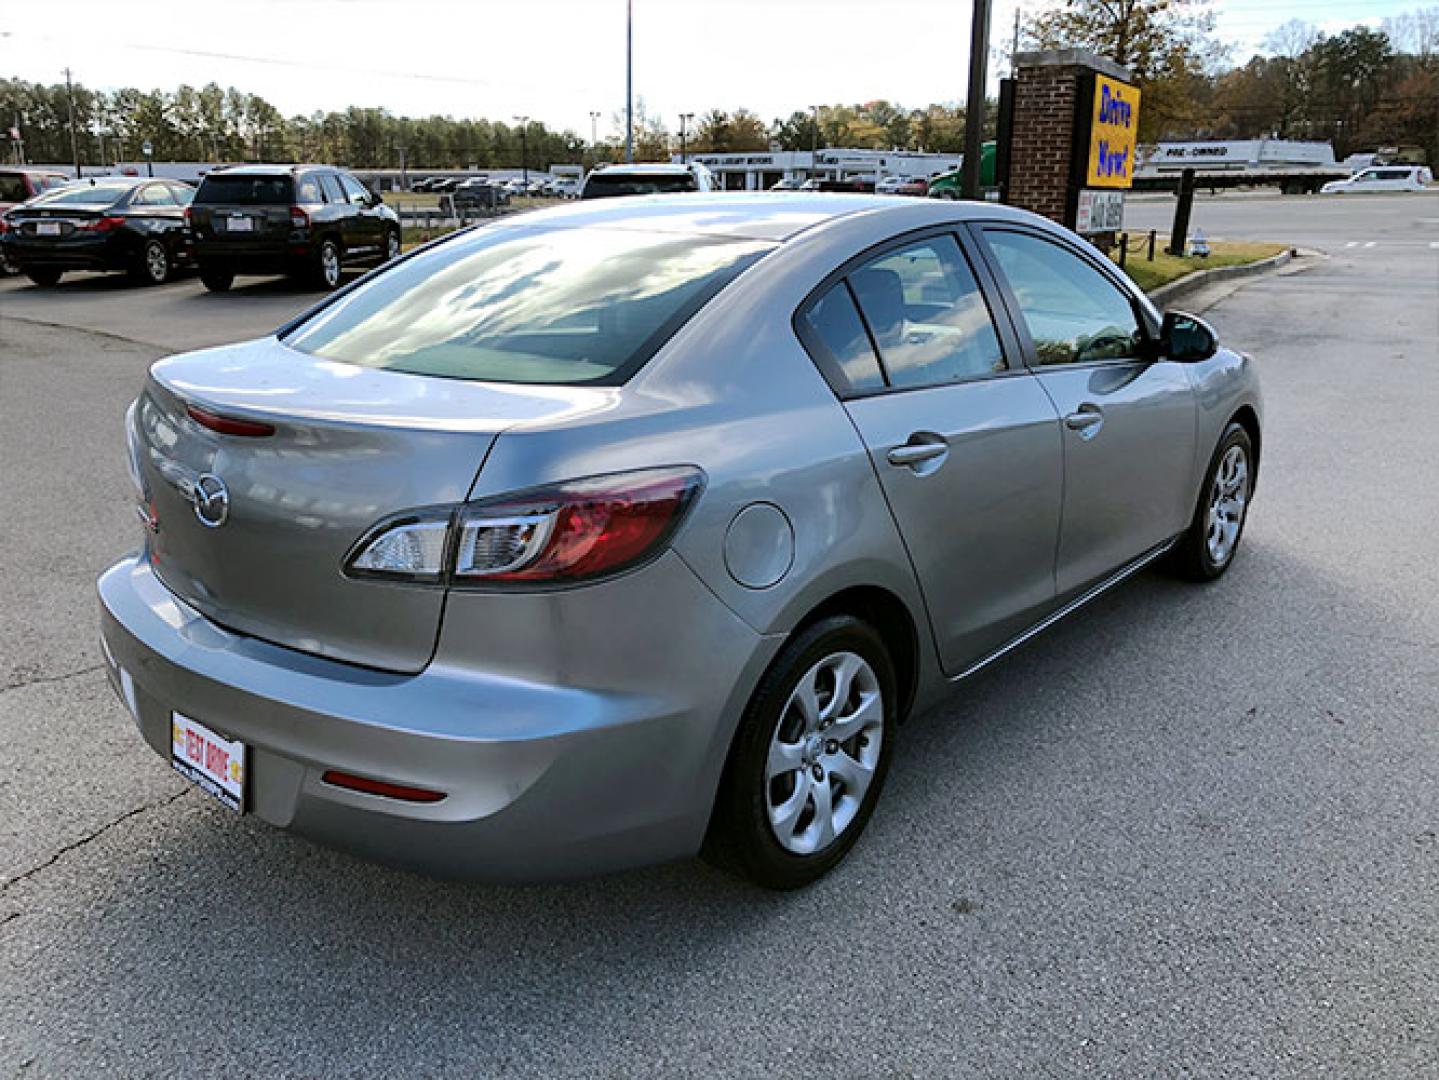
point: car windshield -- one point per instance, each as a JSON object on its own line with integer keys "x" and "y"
{"x": 245, "y": 190}
{"x": 97, "y": 194}
{"x": 602, "y": 185}
{"x": 527, "y": 305}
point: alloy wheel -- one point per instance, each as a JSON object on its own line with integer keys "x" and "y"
{"x": 330, "y": 264}
{"x": 157, "y": 263}
{"x": 1227, "y": 498}
{"x": 823, "y": 753}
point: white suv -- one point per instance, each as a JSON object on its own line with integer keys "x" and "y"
{"x": 653, "y": 178}
{"x": 1383, "y": 178}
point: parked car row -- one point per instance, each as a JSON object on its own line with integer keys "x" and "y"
{"x": 307, "y": 221}
{"x": 515, "y": 187}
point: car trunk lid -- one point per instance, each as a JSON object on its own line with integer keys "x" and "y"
{"x": 322, "y": 451}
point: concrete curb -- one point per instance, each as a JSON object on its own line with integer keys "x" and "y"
{"x": 1202, "y": 279}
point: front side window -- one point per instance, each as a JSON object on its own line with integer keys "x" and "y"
{"x": 526, "y": 305}
{"x": 1074, "y": 313}
{"x": 333, "y": 192}
{"x": 927, "y": 315}
{"x": 355, "y": 190}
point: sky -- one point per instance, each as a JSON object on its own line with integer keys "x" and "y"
{"x": 555, "y": 60}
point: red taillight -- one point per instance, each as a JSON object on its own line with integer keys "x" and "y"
{"x": 105, "y": 224}
{"x": 403, "y": 792}
{"x": 583, "y": 529}
{"x": 189, "y": 217}
{"x": 229, "y": 425}
{"x": 4, "y": 225}
{"x": 298, "y": 218}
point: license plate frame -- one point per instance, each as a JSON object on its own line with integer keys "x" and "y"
{"x": 216, "y": 765}
{"x": 240, "y": 224}
{"x": 47, "y": 228}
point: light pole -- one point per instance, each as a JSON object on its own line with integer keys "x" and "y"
{"x": 629, "y": 81}
{"x": 594, "y": 133}
{"x": 524, "y": 122}
{"x": 814, "y": 143}
{"x": 685, "y": 117}
{"x": 74, "y": 139}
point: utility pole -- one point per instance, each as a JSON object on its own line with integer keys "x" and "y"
{"x": 629, "y": 81}
{"x": 1014, "y": 49}
{"x": 74, "y": 140}
{"x": 974, "y": 111}
{"x": 685, "y": 117}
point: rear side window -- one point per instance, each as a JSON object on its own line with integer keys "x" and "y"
{"x": 571, "y": 306}
{"x": 838, "y": 334}
{"x": 153, "y": 195}
{"x": 245, "y": 190}
{"x": 308, "y": 191}
{"x": 927, "y": 315}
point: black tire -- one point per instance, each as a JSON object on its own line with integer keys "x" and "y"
{"x": 44, "y": 276}
{"x": 217, "y": 278}
{"x": 155, "y": 265}
{"x": 1193, "y": 557}
{"x": 328, "y": 266}
{"x": 741, "y": 838}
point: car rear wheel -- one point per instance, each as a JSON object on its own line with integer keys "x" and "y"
{"x": 327, "y": 265}
{"x": 44, "y": 276}
{"x": 154, "y": 267}
{"x": 217, "y": 278}
{"x": 809, "y": 757}
{"x": 1208, "y": 547}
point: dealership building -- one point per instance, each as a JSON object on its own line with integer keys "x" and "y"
{"x": 757, "y": 170}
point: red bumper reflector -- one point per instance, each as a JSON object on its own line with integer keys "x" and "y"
{"x": 380, "y": 787}
{"x": 229, "y": 425}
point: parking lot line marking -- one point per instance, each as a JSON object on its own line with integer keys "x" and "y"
{"x": 1370, "y": 244}
{"x": 1352, "y": 244}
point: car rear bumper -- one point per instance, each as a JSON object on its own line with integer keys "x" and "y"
{"x": 541, "y": 780}
{"x": 69, "y": 253}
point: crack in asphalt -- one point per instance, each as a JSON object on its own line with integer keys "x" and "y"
{"x": 87, "y": 330}
{"x": 41, "y": 679}
{"x": 60, "y": 853}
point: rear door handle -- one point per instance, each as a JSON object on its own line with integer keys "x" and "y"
{"x": 920, "y": 449}
{"x": 1086, "y": 420}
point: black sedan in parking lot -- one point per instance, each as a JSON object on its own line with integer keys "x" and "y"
{"x": 107, "y": 223}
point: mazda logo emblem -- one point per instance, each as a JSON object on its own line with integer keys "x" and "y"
{"x": 212, "y": 500}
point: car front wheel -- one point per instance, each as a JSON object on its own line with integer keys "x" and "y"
{"x": 1208, "y": 547}
{"x": 809, "y": 757}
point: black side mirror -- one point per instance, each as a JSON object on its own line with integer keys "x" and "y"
{"x": 1187, "y": 338}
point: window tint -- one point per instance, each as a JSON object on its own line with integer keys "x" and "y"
{"x": 153, "y": 195}
{"x": 224, "y": 188}
{"x": 308, "y": 191}
{"x": 355, "y": 190}
{"x": 834, "y": 321}
{"x": 12, "y": 188}
{"x": 601, "y": 185}
{"x": 927, "y": 315}
{"x": 527, "y": 305}
{"x": 1073, "y": 312}
{"x": 333, "y": 192}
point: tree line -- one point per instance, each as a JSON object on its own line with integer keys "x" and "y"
{"x": 1360, "y": 89}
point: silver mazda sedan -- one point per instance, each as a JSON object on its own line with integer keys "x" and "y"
{"x": 635, "y": 529}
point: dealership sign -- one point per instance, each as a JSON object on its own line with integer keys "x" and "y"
{"x": 1113, "y": 134}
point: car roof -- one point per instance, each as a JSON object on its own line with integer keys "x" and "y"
{"x": 775, "y": 216}
{"x": 646, "y": 167}
{"x": 266, "y": 170}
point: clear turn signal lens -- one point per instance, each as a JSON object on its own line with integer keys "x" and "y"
{"x": 405, "y": 550}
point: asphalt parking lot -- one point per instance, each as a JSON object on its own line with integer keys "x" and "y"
{"x": 1188, "y": 832}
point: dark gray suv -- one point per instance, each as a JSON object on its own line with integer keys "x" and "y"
{"x": 308, "y": 221}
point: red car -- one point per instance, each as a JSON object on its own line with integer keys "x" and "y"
{"x": 17, "y": 185}
{"x": 916, "y": 185}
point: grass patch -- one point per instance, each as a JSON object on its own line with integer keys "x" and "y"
{"x": 1166, "y": 268}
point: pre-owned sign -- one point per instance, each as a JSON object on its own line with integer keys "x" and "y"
{"x": 1113, "y": 134}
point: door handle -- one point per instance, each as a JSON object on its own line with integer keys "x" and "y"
{"x": 1086, "y": 420}
{"x": 918, "y": 451}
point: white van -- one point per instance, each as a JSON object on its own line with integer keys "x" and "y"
{"x": 1382, "y": 178}
{"x": 653, "y": 178}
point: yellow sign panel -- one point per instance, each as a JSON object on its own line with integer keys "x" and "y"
{"x": 1113, "y": 134}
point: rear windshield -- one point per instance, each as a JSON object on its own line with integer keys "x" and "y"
{"x": 528, "y": 306}
{"x": 245, "y": 190}
{"x": 601, "y": 185}
{"x": 99, "y": 194}
{"x": 12, "y": 188}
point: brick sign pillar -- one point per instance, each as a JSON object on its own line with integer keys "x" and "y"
{"x": 1049, "y": 130}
